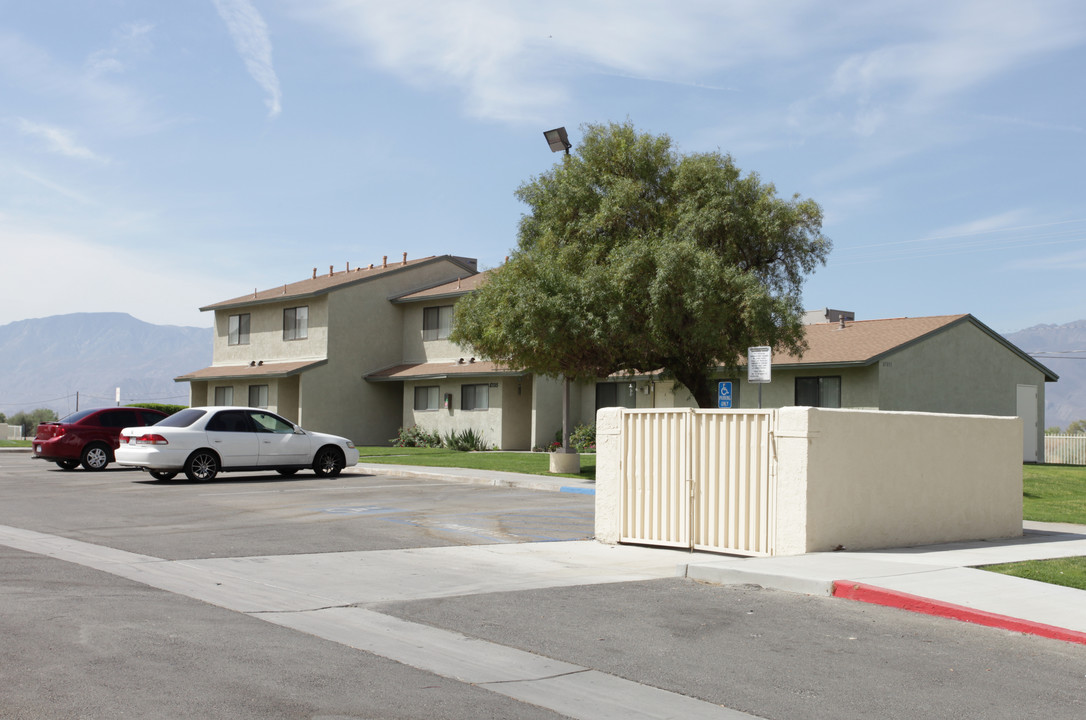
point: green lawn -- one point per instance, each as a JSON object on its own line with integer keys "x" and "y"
{"x": 1054, "y": 493}
{"x": 15, "y": 443}
{"x": 1062, "y": 571}
{"x": 517, "y": 462}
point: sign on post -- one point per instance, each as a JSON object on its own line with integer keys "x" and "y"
{"x": 724, "y": 394}
{"x": 759, "y": 364}
{"x": 759, "y": 368}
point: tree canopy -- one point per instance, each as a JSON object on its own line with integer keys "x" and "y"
{"x": 634, "y": 257}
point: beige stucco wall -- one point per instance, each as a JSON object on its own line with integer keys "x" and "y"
{"x": 266, "y": 333}
{"x": 886, "y": 479}
{"x": 868, "y": 479}
{"x": 487, "y": 423}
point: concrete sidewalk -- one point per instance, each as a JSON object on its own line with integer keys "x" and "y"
{"x": 937, "y": 580}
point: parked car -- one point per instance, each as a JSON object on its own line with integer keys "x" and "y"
{"x": 89, "y": 437}
{"x": 204, "y": 441}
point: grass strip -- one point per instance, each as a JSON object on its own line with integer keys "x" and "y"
{"x": 1070, "y": 572}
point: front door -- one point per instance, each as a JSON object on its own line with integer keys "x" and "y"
{"x": 1027, "y": 410}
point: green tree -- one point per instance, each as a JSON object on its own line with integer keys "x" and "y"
{"x": 1078, "y": 427}
{"x": 635, "y": 257}
{"x": 30, "y": 421}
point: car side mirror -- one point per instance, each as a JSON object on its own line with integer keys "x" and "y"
{"x": 298, "y": 430}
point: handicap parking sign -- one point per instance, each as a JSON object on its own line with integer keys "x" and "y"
{"x": 724, "y": 394}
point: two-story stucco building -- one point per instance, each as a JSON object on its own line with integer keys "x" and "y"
{"x": 364, "y": 351}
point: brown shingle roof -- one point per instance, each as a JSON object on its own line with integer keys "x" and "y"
{"x": 251, "y": 370}
{"x": 461, "y": 286}
{"x": 323, "y": 282}
{"x": 862, "y": 341}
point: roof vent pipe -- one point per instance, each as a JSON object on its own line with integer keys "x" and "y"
{"x": 348, "y": 266}
{"x": 384, "y": 261}
{"x": 330, "y": 272}
{"x": 842, "y": 321}
{"x": 314, "y": 273}
{"x": 404, "y": 259}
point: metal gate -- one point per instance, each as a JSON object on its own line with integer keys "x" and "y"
{"x": 699, "y": 479}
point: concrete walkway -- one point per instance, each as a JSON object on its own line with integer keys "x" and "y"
{"x": 935, "y": 579}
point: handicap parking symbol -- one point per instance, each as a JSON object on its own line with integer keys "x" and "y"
{"x": 724, "y": 394}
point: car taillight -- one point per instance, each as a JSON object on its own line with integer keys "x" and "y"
{"x": 150, "y": 439}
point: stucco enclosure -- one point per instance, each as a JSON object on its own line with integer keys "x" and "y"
{"x": 834, "y": 479}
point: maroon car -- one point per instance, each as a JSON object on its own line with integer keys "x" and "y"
{"x": 89, "y": 437}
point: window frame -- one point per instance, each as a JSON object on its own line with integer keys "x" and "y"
{"x": 261, "y": 390}
{"x": 238, "y": 328}
{"x": 228, "y": 394}
{"x": 820, "y": 387}
{"x": 295, "y": 323}
{"x": 437, "y": 322}
{"x": 426, "y": 407}
{"x": 469, "y": 397}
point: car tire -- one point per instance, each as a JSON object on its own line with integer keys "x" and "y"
{"x": 287, "y": 472}
{"x": 202, "y": 466}
{"x": 95, "y": 457}
{"x": 329, "y": 462}
{"x": 67, "y": 464}
{"x": 162, "y": 474}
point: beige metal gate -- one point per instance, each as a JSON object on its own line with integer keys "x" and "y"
{"x": 700, "y": 479}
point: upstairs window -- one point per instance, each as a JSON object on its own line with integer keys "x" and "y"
{"x": 296, "y": 323}
{"x": 238, "y": 332}
{"x": 474, "y": 397}
{"x": 437, "y": 322}
{"x": 822, "y": 392}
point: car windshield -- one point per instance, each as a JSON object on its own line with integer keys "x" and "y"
{"x": 182, "y": 418}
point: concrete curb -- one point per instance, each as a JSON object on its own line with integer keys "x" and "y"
{"x": 863, "y": 592}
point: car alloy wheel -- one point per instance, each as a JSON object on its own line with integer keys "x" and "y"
{"x": 202, "y": 466}
{"x": 95, "y": 457}
{"x": 329, "y": 462}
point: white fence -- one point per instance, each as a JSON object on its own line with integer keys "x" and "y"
{"x": 698, "y": 480}
{"x": 1065, "y": 449}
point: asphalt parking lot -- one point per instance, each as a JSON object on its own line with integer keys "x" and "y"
{"x": 244, "y": 514}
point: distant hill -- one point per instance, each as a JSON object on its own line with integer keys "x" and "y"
{"x": 1065, "y": 401}
{"x": 44, "y": 362}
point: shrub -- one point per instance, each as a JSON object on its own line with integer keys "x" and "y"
{"x": 465, "y": 441}
{"x": 168, "y": 409}
{"x": 583, "y": 438}
{"x": 415, "y": 436}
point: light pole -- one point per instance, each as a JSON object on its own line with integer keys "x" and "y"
{"x": 558, "y": 141}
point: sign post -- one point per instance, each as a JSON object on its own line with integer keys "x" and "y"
{"x": 759, "y": 368}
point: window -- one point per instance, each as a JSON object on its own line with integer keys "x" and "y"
{"x": 426, "y": 397}
{"x": 296, "y": 323}
{"x": 616, "y": 394}
{"x": 436, "y": 322}
{"x": 474, "y": 397}
{"x": 267, "y": 423}
{"x": 118, "y": 419}
{"x": 239, "y": 330}
{"x": 818, "y": 391}
{"x": 229, "y": 421}
{"x": 224, "y": 396}
{"x": 258, "y": 396}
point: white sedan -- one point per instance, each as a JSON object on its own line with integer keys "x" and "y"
{"x": 203, "y": 441}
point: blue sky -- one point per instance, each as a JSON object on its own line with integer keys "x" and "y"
{"x": 158, "y": 156}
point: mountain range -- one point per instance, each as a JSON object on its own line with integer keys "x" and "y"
{"x": 49, "y": 362}
{"x": 59, "y": 361}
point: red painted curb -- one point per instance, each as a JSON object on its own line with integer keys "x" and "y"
{"x": 862, "y": 592}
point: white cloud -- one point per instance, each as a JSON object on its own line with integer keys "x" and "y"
{"x": 251, "y": 39}
{"x": 131, "y": 38}
{"x": 57, "y": 140}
